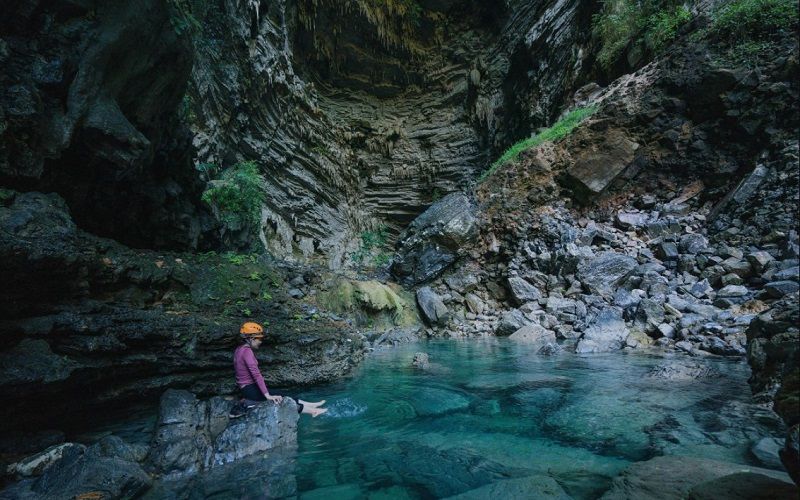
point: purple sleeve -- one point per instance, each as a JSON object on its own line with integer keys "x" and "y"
{"x": 252, "y": 366}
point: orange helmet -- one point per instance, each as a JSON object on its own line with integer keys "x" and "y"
{"x": 252, "y": 330}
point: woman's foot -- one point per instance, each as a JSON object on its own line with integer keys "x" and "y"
{"x": 311, "y": 405}
{"x": 315, "y": 412}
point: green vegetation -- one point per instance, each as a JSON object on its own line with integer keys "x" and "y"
{"x": 237, "y": 259}
{"x": 747, "y": 21}
{"x": 558, "y": 130}
{"x": 238, "y": 195}
{"x": 621, "y": 21}
{"x": 370, "y": 241}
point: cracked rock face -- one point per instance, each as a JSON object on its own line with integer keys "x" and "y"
{"x": 360, "y": 114}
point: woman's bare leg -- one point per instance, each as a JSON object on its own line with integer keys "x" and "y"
{"x": 313, "y": 405}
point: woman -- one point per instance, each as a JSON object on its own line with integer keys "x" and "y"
{"x": 249, "y": 379}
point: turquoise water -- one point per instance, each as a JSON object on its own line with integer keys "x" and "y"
{"x": 492, "y": 410}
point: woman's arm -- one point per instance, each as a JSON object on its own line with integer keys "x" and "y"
{"x": 251, "y": 363}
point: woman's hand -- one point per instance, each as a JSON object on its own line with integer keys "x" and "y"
{"x": 274, "y": 399}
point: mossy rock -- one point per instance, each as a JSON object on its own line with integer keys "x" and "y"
{"x": 379, "y": 304}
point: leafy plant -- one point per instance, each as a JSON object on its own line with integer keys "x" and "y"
{"x": 182, "y": 18}
{"x": 266, "y": 296}
{"x": 238, "y": 259}
{"x": 255, "y": 276}
{"x": 558, "y": 130}
{"x": 238, "y": 195}
{"x": 370, "y": 240}
{"x": 743, "y": 21}
{"x": 621, "y": 21}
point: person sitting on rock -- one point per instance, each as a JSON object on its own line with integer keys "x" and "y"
{"x": 248, "y": 376}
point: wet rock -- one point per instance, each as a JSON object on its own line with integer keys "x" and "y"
{"x": 767, "y": 451}
{"x": 525, "y": 487}
{"x": 606, "y": 332}
{"x": 420, "y": 360}
{"x": 744, "y": 486}
{"x": 192, "y": 436}
{"x": 36, "y": 464}
{"x": 683, "y": 371}
{"x": 672, "y": 477}
{"x": 433, "y": 309}
{"x": 433, "y": 241}
{"x": 114, "y": 446}
{"x": 604, "y": 272}
{"x": 84, "y": 470}
{"x": 522, "y": 291}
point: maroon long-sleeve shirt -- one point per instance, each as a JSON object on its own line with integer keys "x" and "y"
{"x": 245, "y": 365}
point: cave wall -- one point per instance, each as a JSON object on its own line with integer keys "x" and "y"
{"x": 360, "y": 115}
{"x": 89, "y": 101}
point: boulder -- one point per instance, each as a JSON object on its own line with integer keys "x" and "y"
{"x": 649, "y": 315}
{"x": 744, "y": 486}
{"x": 433, "y": 309}
{"x": 683, "y": 371}
{"x": 433, "y": 241}
{"x": 693, "y": 243}
{"x": 522, "y": 291}
{"x": 420, "y": 360}
{"x": 83, "y": 471}
{"x": 631, "y": 220}
{"x": 534, "y": 334}
{"x": 538, "y": 486}
{"x": 597, "y": 165}
{"x": 474, "y": 303}
{"x": 192, "y": 436}
{"x": 778, "y": 289}
{"x": 36, "y": 464}
{"x": 604, "y": 272}
{"x": 767, "y": 451}
{"x": 673, "y": 477}
{"x": 606, "y": 332}
{"x": 510, "y": 322}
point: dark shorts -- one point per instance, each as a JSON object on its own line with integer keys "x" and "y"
{"x": 252, "y": 393}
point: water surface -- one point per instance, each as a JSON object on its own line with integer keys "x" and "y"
{"x": 491, "y": 410}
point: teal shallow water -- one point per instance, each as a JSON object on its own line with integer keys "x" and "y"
{"x": 490, "y": 410}
{"x": 487, "y": 411}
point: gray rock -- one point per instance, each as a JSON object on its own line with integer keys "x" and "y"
{"x": 759, "y": 260}
{"x": 433, "y": 241}
{"x": 667, "y": 251}
{"x": 649, "y": 315}
{"x": 593, "y": 169}
{"x": 420, "y": 360}
{"x": 296, "y": 293}
{"x": 766, "y": 450}
{"x": 732, "y": 291}
{"x": 433, "y": 309}
{"x": 193, "y": 436}
{"x": 604, "y": 272}
{"x": 744, "y": 486}
{"x": 522, "y": 291}
{"x": 673, "y": 477}
{"x": 631, "y": 220}
{"x": 693, "y": 243}
{"x": 534, "y": 334}
{"x": 510, "y": 322}
{"x": 683, "y": 370}
{"x": 36, "y": 464}
{"x": 790, "y": 273}
{"x": 778, "y": 289}
{"x": 606, "y": 332}
{"x": 542, "y": 486}
{"x": 661, "y": 228}
{"x": 474, "y": 303}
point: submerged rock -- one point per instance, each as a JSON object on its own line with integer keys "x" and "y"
{"x": 543, "y": 487}
{"x": 672, "y": 477}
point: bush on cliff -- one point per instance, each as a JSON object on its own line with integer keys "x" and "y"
{"x": 620, "y": 22}
{"x": 238, "y": 195}
{"x": 743, "y": 21}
